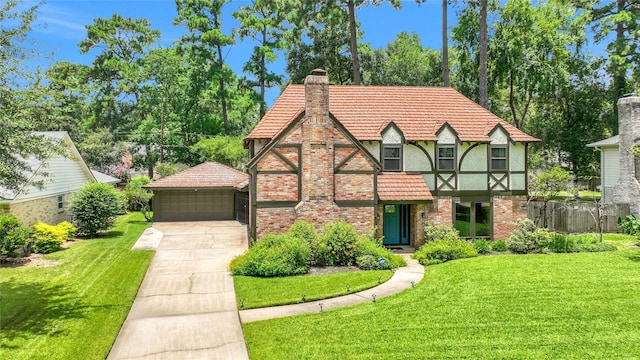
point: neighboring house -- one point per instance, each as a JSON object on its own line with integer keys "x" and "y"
{"x": 390, "y": 158}
{"x": 61, "y": 176}
{"x": 209, "y": 191}
{"x": 609, "y": 165}
{"x": 620, "y": 167}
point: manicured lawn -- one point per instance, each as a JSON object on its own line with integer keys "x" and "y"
{"x": 556, "y": 306}
{"x": 255, "y": 292}
{"x": 73, "y": 310}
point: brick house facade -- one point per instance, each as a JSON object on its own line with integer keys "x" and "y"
{"x": 385, "y": 158}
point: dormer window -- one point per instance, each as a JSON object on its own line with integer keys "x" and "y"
{"x": 391, "y": 158}
{"x": 391, "y": 155}
{"x": 446, "y": 157}
{"x": 499, "y": 158}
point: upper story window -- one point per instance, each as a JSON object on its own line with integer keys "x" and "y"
{"x": 391, "y": 158}
{"x": 446, "y": 157}
{"x": 499, "y": 160}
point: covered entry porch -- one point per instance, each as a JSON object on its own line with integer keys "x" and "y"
{"x": 402, "y": 209}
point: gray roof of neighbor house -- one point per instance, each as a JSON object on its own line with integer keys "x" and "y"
{"x": 614, "y": 140}
{"x": 205, "y": 175}
{"x": 104, "y": 178}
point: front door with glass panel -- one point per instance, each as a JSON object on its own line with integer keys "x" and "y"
{"x": 396, "y": 224}
{"x": 473, "y": 219}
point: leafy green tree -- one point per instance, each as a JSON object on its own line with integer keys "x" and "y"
{"x": 101, "y": 151}
{"x": 21, "y": 95}
{"x": 204, "y": 45}
{"x": 139, "y": 198}
{"x": 117, "y": 69}
{"x": 621, "y": 18}
{"x": 264, "y": 22}
{"x": 223, "y": 149}
{"x": 549, "y": 184}
{"x": 94, "y": 207}
{"x": 403, "y": 62}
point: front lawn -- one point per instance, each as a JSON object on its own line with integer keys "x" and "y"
{"x": 255, "y": 292}
{"x": 73, "y": 310}
{"x": 542, "y": 306}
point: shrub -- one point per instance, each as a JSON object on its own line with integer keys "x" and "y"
{"x": 629, "y": 225}
{"x": 371, "y": 247}
{"x": 167, "y": 169}
{"x": 306, "y": 231}
{"x": 340, "y": 240}
{"x": 138, "y": 198}
{"x": 439, "y": 251}
{"x": 498, "y": 246}
{"x": 589, "y": 243}
{"x": 560, "y": 243}
{"x": 49, "y": 238}
{"x": 440, "y": 232}
{"x": 273, "y": 255}
{"x": 527, "y": 238}
{"x": 368, "y": 262}
{"x": 482, "y": 246}
{"x": 93, "y": 208}
{"x": 13, "y": 235}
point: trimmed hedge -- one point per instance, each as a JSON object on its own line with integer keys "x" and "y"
{"x": 273, "y": 255}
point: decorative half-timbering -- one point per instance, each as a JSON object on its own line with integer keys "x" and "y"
{"x": 390, "y": 157}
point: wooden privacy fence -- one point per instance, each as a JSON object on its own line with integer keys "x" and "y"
{"x": 577, "y": 217}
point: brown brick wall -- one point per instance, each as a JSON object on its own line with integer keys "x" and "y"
{"x": 506, "y": 210}
{"x": 277, "y": 187}
{"x": 273, "y": 220}
{"x": 441, "y": 211}
{"x": 358, "y": 162}
{"x": 354, "y": 187}
{"x": 417, "y": 224}
{"x": 271, "y": 162}
{"x": 291, "y": 153}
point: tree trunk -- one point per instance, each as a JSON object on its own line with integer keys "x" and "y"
{"x": 619, "y": 72}
{"x": 223, "y": 96}
{"x": 354, "y": 42}
{"x": 483, "y": 83}
{"x": 263, "y": 75}
{"x": 445, "y": 46}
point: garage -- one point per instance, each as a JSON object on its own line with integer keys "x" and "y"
{"x": 209, "y": 191}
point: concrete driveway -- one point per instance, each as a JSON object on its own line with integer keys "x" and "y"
{"x": 186, "y": 305}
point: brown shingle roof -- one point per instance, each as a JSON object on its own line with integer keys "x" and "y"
{"x": 419, "y": 112}
{"x": 402, "y": 187}
{"x": 205, "y": 175}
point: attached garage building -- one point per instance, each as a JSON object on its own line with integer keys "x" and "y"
{"x": 209, "y": 191}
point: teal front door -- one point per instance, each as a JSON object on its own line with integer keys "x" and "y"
{"x": 396, "y": 224}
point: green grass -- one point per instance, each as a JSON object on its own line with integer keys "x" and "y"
{"x": 73, "y": 310}
{"x": 255, "y": 292}
{"x": 585, "y": 195}
{"x": 557, "y": 306}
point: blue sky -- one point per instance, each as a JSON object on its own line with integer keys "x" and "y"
{"x": 60, "y": 26}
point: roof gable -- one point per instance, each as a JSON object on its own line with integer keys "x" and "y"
{"x": 418, "y": 112}
{"x": 52, "y": 172}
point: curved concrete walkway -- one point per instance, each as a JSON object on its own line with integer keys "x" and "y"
{"x": 186, "y": 305}
{"x": 403, "y": 278}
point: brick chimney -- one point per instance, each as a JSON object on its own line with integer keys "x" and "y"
{"x": 317, "y": 205}
{"x": 627, "y": 189}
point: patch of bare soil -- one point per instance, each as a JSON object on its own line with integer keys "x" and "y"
{"x": 331, "y": 270}
{"x": 33, "y": 260}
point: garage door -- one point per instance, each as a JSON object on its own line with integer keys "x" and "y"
{"x": 193, "y": 205}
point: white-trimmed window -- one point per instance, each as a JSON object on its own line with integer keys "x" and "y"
{"x": 446, "y": 157}
{"x": 392, "y": 157}
{"x": 60, "y": 203}
{"x": 499, "y": 158}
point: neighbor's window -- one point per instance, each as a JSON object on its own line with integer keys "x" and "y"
{"x": 446, "y": 158}
{"x": 499, "y": 158}
{"x": 60, "y": 203}
{"x": 391, "y": 159}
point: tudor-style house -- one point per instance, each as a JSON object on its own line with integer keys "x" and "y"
{"x": 391, "y": 158}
